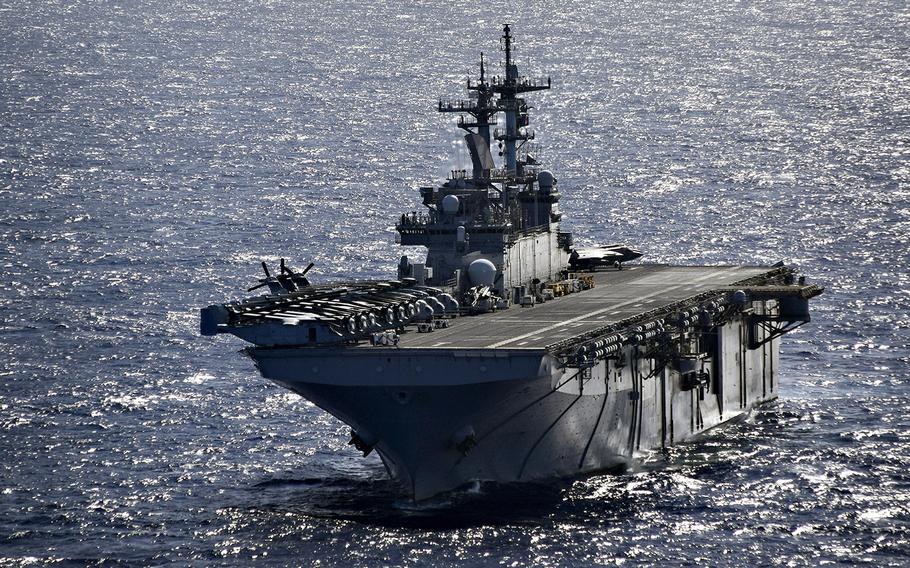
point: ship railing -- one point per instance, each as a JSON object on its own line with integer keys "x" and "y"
{"x": 540, "y": 82}
{"x": 531, "y": 148}
{"x": 462, "y": 122}
{"x": 506, "y": 175}
{"x": 459, "y": 105}
{"x": 524, "y": 81}
{"x": 413, "y": 222}
{"x": 501, "y": 174}
{"x": 522, "y": 133}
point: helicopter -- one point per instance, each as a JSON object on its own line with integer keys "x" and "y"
{"x": 286, "y": 281}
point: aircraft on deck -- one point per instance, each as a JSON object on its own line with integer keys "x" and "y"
{"x": 604, "y": 255}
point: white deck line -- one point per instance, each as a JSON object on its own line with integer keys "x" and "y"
{"x": 612, "y": 307}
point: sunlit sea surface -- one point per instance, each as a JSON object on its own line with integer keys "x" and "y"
{"x": 152, "y": 153}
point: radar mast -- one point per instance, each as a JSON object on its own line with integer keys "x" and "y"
{"x": 515, "y": 108}
{"x": 478, "y": 115}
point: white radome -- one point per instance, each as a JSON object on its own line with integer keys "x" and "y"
{"x": 482, "y": 272}
{"x": 450, "y": 204}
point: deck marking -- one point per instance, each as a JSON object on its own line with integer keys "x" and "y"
{"x": 613, "y": 307}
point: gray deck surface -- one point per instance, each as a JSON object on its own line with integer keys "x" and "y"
{"x": 617, "y": 295}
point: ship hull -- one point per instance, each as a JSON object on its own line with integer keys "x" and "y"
{"x": 440, "y": 419}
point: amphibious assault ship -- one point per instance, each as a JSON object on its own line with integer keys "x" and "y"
{"x": 507, "y": 354}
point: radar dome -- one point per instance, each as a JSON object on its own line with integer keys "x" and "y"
{"x": 545, "y": 178}
{"x": 482, "y": 272}
{"x": 450, "y": 204}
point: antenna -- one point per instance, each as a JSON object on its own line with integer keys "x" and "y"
{"x": 507, "y": 41}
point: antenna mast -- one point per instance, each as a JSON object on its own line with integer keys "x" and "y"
{"x": 515, "y": 108}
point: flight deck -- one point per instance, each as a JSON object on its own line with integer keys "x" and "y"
{"x": 617, "y": 295}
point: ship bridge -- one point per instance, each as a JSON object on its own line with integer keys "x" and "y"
{"x": 504, "y": 211}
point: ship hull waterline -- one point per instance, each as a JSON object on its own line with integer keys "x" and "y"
{"x": 512, "y": 416}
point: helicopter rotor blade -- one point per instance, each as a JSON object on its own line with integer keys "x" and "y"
{"x": 307, "y": 269}
{"x": 265, "y": 268}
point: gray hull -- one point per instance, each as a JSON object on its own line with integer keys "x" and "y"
{"x": 527, "y": 419}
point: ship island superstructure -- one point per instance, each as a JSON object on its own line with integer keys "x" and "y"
{"x": 491, "y": 222}
{"x": 508, "y": 355}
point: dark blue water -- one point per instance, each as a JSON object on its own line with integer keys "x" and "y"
{"x": 152, "y": 153}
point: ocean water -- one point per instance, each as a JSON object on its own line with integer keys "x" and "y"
{"x": 152, "y": 153}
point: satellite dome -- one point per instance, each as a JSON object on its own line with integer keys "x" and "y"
{"x": 482, "y": 272}
{"x": 450, "y": 204}
{"x": 545, "y": 178}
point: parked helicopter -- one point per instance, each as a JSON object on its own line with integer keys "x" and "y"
{"x": 286, "y": 281}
